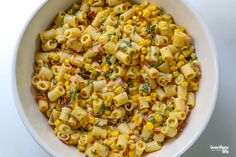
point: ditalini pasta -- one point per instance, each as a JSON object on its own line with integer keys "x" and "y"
{"x": 115, "y": 79}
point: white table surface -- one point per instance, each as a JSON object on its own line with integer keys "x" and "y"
{"x": 219, "y": 16}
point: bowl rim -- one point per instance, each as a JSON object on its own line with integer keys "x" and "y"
{"x": 51, "y": 152}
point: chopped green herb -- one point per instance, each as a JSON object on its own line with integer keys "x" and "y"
{"x": 152, "y": 119}
{"x": 193, "y": 58}
{"x": 151, "y": 29}
{"x": 94, "y": 152}
{"x": 102, "y": 110}
{"x": 125, "y": 118}
{"x": 108, "y": 61}
{"x": 74, "y": 12}
{"x": 133, "y": 71}
{"x": 155, "y": 53}
{"x": 73, "y": 94}
{"x": 146, "y": 88}
{"x": 157, "y": 64}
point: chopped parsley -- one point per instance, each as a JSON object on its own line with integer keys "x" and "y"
{"x": 102, "y": 110}
{"x": 151, "y": 29}
{"x": 108, "y": 59}
{"x": 193, "y": 58}
{"x": 125, "y": 118}
{"x": 74, "y": 12}
{"x": 125, "y": 44}
{"x": 155, "y": 53}
{"x": 152, "y": 119}
{"x": 146, "y": 88}
{"x": 157, "y": 64}
{"x": 94, "y": 152}
{"x": 73, "y": 94}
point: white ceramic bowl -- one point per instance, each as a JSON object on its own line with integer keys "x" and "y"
{"x": 37, "y": 124}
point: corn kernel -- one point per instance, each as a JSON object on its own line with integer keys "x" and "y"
{"x": 114, "y": 38}
{"x": 130, "y": 21}
{"x": 116, "y": 133}
{"x": 142, "y": 58}
{"x": 175, "y": 73}
{"x": 109, "y": 142}
{"x": 105, "y": 68}
{"x": 104, "y": 116}
{"x": 90, "y": 2}
{"x": 118, "y": 90}
{"x": 107, "y": 112}
{"x": 60, "y": 83}
{"x": 153, "y": 7}
{"x": 123, "y": 65}
{"x": 88, "y": 60}
{"x": 131, "y": 153}
{"x": 67, "y": 88}
{"x": 144, "y": 110}
{"x": 148, "y": 98}
{"x": 172, "y": 68}
{"x": 55, "y": 57}
{"x": 144, "y": 4}
{"x": 181, "y": 57}
{"x": 87, "y": 67}
{"x": 144, "y": 50}
{"x": 66, "y": 60}
{"x": 158, "y": 118}
{"x": 55, "y": 132}
{"x": 140, "y": 13}
{"x": 172, "y": 62}
{"x": 122, "y": 23}
{"x": 149, "y": 126}
{"x": 66, "y": 76}
{"x": 113, "y": 146}
{"x": 127, "y": 136}
{"x": 57, "y": 122}
{"x": 131, "y": 146}
{"x": 180, "y": 64}
{"x": 91, "y": 120}
{"x": 81, "y": 148}
{"x": 184, "y": 84}
{"x": 109, "y": 132}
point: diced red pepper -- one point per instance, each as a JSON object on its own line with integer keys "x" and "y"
{"x": 157, "y": 132}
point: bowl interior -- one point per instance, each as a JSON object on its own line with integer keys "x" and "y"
{"x": 37, "y": 124}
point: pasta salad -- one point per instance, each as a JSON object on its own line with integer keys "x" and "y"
{"x": 116, "y": 79}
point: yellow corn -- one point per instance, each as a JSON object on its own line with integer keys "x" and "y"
{"x": 131, "y": 153}
{"x": 67, "y": 87}
{"x": 109, "y": 132}
{"x": 87, "y": 67}
{"x": 109, "y": 142}
{"x": 114, "y": 38}
{"x": 180, "y": 64}
{"x": 60, "y": 83}
{"x": 142, "y": 58}
{"x": 113, "y": 146}
{"x": 57, "y": 122}
{"x": 153, "y": 7}
{"x": 172, "y": 63}
{"x": 118, "y": 90}
{"x": 144, "y": 110}
{"x": 66, "y": 76}
{"x": 175, "y": 73}
{"x": 107, "y": 112}
{"x": 127, "y": 136}
{"x": 105, "y": 68}
{"x": 181, "y": 57}
{"x": 130, "y": 21}
{"x": 184, "y": 84}
{"x": 144, "y": 50}
{"x": 116, "y": 133}
{"x": 90, "y": 2}
{"x": 148, "y": 98}
{"x": 149, "y": 126}
{"x": 55, "y": 132}
{"x": 172, "y": 68}
{"x": 55, "y": 57}
{"x": 81, "y": 148}
{"x": 66, "y": 60}
{"x": 158, "y": 118}
{"x": 88, "y": 60}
